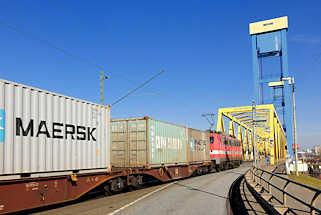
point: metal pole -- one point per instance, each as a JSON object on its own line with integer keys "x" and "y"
{"x": 102, "y": 88}
{"x": 294, "y": 129}
{"x": 291, "y": 81}
{"x": 254, "y": 136}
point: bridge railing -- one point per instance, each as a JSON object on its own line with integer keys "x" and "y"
{"x": 260, "y": 175}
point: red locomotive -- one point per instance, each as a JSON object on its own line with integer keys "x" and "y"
{"x": 225, "y": 150}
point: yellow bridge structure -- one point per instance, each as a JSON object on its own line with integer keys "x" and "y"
{"x": 261, "y": 120}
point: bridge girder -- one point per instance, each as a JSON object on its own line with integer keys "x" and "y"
{"x": 269, "y": 133}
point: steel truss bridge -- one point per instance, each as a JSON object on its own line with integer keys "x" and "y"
{"x": 260, "y": 122}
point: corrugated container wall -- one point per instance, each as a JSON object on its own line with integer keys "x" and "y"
{"x": 167, "y": 143}
{"x": 145, "y": 142}
{"x": 42, "y": 131}
{"x": 199, "y": 146}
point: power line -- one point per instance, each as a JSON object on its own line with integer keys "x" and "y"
{"x": 137, "y": 88}
{"x": 210, "y": 119}
{"x": 53, "y": 2}
{"x": 51, "y": 45}
{"x": 64, "y": 51}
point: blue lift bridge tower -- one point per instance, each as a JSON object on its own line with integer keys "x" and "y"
{"x": 272, "y": 82}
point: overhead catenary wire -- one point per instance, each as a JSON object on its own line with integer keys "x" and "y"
{"x": 137, "y": 88}
{"x": 210, "y": 119}
{"x": 53, "y": 2}
{"x": 51, "y": 45}
{"x": 62, "y": 50}
{"x": 77, "y": 57}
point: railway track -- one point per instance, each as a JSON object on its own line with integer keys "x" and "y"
{"x": 98, "y": 203}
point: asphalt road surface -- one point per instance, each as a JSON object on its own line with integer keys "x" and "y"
{"x": 207, "y": 194}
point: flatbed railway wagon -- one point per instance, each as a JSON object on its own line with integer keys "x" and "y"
{"x": 162, "y": 150}
{"x": 55, "y": 149}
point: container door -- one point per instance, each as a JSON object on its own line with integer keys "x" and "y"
{"x": 137, "y": 143}
{"x": 129, "y": 143}
{"x": 199, "y": 146}
{"x": 119, "y": 142}
{"x": 206, "y": 145}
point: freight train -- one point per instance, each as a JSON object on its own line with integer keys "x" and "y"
{"x": 56, "y": 149}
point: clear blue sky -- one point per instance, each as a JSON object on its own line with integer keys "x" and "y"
{"x": 204, "y": 46}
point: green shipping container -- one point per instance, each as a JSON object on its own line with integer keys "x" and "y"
{"x": 145, "y": 142}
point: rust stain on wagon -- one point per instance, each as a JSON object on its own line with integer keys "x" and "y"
{"x": 32, "y": 186}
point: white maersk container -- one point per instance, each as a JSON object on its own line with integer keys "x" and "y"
{"x": 43, "y": 133}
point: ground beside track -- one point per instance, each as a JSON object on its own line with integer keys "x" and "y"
{"x": 207, "y": 194}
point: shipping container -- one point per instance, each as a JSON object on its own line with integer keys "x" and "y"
{"x": 44, "y": 132}
{"x": 199, "y": 146}
{"x": 146, "y": 142}
{"x": 129, "y": 143}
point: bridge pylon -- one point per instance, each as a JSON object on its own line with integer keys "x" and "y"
{"x": 270, "y": 70}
